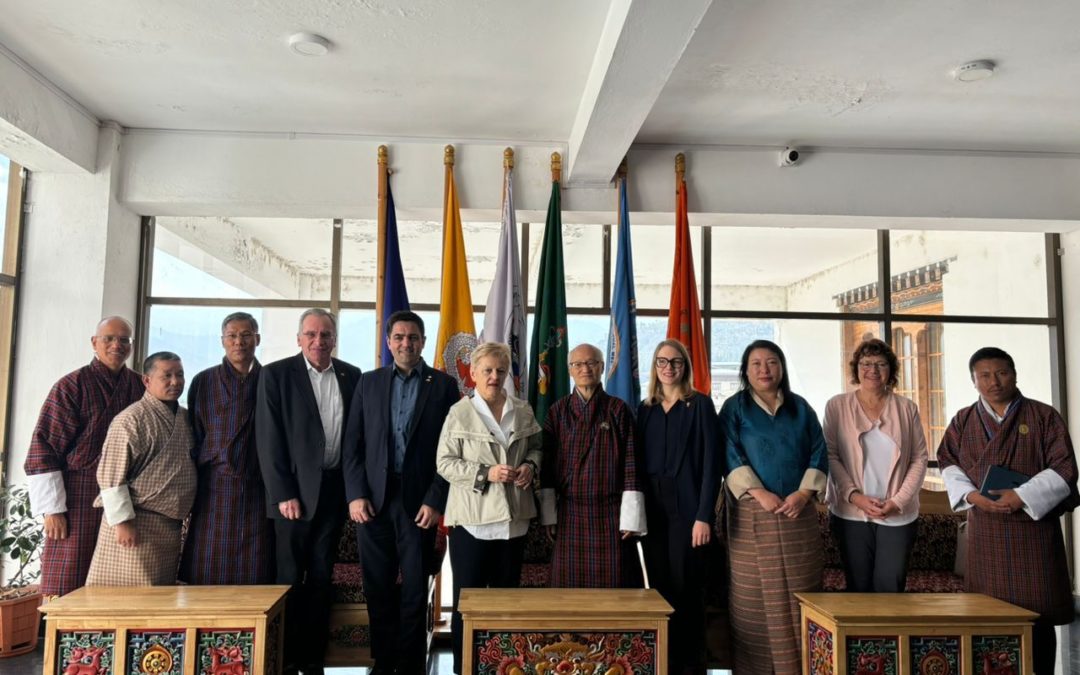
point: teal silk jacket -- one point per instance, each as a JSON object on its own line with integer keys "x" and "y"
{"x": 778, "y": 449}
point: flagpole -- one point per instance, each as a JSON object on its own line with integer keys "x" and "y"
{"x": 508, "y": 164}
{"x": 448, "y": 162}
{"x": 380, "y": 281}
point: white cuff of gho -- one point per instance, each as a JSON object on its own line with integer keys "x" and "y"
{"x": 47, "y": 493}
{"x": 118, "y": 506}
{"x": 632, "y": 513}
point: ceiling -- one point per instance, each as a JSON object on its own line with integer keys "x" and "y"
{"x": 750, "y": 72}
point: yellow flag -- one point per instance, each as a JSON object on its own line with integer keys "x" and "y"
{"x": 457, "y": 331}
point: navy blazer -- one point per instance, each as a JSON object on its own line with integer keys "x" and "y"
{"x": 289, "y": 434}
{"x": 701, "y": 462}
{"x": 367, "y": 446}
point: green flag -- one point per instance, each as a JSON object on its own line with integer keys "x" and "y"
{"x": 549, "y": 376}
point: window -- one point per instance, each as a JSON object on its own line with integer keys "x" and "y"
{"x": 816, "y": 292}
{"x": 12, "y": 182}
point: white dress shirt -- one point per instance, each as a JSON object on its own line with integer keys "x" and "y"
{"x": 331, "y": 411}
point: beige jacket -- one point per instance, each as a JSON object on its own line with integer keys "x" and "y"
{"x": 845, "y": 422}
{"x": 467, "y": 450}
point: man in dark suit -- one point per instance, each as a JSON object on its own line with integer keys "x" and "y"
{"x": 394, "y": 494}
{"x": 300, "y": 415}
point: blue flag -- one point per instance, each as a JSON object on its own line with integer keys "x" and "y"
{"x": 622, "y": 355}
{"x": 395, "y": 296}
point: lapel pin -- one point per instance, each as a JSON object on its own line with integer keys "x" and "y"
{"x": 605, "y": 426}
{"x": 1023, "y": 429}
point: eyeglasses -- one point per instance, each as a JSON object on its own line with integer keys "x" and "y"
{"x": 311, "y": 335}
{"x": 239, "y": 337}
{"x": 590, "y": 364}
{"x": 119, "y": 339}
{"x": 676, "y": 363}
{"x": 873, "y": 365}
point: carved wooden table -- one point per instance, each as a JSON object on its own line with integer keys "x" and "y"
{"x": 947, "y": 633}
{"x": 166, "y": 630}
{"x": 547, "y": 631}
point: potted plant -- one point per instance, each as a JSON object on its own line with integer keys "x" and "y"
{"x": 21, "y": 538}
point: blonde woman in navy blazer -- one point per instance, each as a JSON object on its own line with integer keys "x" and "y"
{"x": 683, "y": 465}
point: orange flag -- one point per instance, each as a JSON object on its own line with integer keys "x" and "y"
{"x": 684, "y": 317}
{"x": 457, "y": 330}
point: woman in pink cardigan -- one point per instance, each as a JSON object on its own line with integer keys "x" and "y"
{"x": 877, "y": 461}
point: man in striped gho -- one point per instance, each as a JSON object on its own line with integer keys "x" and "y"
{"x": 230, "y": 540}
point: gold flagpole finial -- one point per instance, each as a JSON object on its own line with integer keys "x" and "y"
{"x": 448, "y": 156}
{"x": 508, "y": 158}
{"x": 556, "y": 167}
{"x": 621, "y": 173}
{"x": 384, "y": 155}
{"x": 680, "y": 166}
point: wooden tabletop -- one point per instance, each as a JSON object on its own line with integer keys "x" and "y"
{"x": 510, "y": 603}
{"x": 157, "y": 600}
{"x": 915, "y": 607}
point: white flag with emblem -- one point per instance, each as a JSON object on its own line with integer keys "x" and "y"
{"x": 504, "y": 316}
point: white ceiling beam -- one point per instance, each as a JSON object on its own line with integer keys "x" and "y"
{"x": 640, "y": 46}
{"x": 41, "y": 127}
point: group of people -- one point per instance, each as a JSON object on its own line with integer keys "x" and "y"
{"x": 270, "y": 460}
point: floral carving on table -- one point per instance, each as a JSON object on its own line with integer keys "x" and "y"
{"x": 819, "y": 644}
{"x": 560, "y": 653}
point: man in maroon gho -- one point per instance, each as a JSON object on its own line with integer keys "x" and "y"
{"x": 1016, "y": 551}
{"x": 64, "y": 451}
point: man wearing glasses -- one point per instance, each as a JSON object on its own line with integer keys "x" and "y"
{"x": 65, "y": 449}
{"x": 300, "y": 412}
{"x": 590, "y": 496}
{"x": 230, "y": 540}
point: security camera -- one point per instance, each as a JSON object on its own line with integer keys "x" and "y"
{"x": 789, "y": 156}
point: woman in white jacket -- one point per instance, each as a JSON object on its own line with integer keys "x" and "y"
{"x": 489, "y": 451}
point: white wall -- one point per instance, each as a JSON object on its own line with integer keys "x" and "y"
{"x": 81, "y": 258}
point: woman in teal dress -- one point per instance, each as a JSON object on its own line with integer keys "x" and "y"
{"x": 777, "y": 465}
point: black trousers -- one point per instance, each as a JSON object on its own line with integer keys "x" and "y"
{"x": 306, "y": 553}
{"x": 390, "y": 542}
{"x": 1043, "y": 647}
{"x": 875, "y": 556}
{"x": 481, "y": 563}
{"x": 677, "y": 570}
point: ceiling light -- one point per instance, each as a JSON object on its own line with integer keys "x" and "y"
{"x": 309, "y": 44}
{"x": 973, "y": 71}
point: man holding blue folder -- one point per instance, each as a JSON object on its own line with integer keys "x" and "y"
{"x": 1016, "y": 551}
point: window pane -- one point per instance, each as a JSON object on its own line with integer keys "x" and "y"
{"x": 5, "y": 170}
{"x": 940, "y": 381}
{"x": 654, "y": 261}
{"x": 271, "y": 258}
{"x": 195, "y": 333}
{"x": 7, "y": 311}
{"x": 420, "y": 243}
{"x": 583, "y": 263}
{"x": 817, "y": 354}
{"x": 789, "y": 269}
{"x": 966, "y": 273}
{"x": 356, "y": 338}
